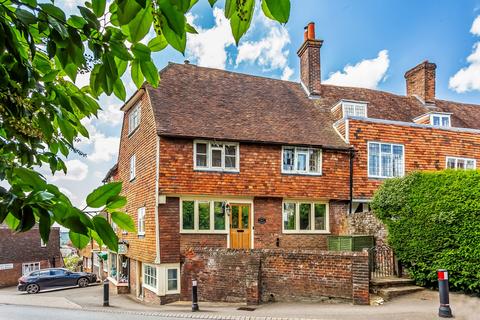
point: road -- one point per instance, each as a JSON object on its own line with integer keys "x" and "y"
{"x": 17, "y": 312}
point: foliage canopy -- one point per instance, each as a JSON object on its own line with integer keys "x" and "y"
{"x": 42, "y": 50}
{"x": 433, "y": 220}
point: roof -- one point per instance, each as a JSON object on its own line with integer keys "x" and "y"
{"x": 199, "y": 102}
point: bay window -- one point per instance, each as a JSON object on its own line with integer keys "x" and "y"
{"x": 150, "y": 277}
{"x": 305, "y": 217}
{"x": 299, "y": 160}
{"x": 216, "y": 156}
{"x": 385, "y": 160}
{"x": 202, "y": 216}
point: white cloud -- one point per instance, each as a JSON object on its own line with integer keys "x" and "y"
{"x": 76, "y": 171}
{"x": 287, "y": 73}
{"x": 208, "y": 47}
{"x": 111, "y": 114}
{"x": 468, "y": 78}
{"x": 104, "y": 148}
{"x": 367, "y": 73}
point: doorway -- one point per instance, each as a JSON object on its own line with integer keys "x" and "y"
{"x": 240, "y": 226}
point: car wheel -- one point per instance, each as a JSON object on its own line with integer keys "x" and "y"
{"x": 83, "y": 282}
{"x": 32, "y": 288}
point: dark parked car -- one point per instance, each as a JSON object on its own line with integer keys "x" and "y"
{"x": 54, "y": 278}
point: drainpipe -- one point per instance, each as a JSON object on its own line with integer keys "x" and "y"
{"x": 352, "y": 155}
{"x": 157, "y": 225}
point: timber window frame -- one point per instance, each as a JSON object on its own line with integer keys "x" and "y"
{"x": 379, "y": 160}
{"x": 312, "y": 224}
{"x": 30, "y": 267}
{"x": 217, "y": 221}
{"x": 150, "y": 277}
{"x": 141, "y": 221}
{"x": 354, "y": 109}
{"x": 440, "y": 120}
{"x": 133, "y": 167}
{"x": 291, "y": 163}
{"x": 216, "y": 156}
{"x": 468, "y": 163}
{"x": 170, "y": 279}
{"x": 134, "y": 117}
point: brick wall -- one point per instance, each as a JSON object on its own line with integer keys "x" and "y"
{"x": 260, "y": 174}
{"x": 10, "y": 277}
{"x": 282, "y": 275}
{"x": 425, "y": 149}
{"x": 141, "y": 191}
{"x": 169, "y": 221}
{"x": 365, "y": 223}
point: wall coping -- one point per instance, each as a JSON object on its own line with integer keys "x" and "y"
{"x": 277, "y": 251}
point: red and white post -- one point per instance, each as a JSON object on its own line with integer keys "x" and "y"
{"x": 444, "y": 311}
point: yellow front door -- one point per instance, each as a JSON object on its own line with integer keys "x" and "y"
{"x": 240, "y": 226}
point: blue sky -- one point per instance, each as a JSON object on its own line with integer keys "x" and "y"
{"x": 368, "y": 43}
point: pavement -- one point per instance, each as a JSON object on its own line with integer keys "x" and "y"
{"x": 87, "y": 301}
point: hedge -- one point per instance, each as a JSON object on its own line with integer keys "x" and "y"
{"x": 433, "y": 221}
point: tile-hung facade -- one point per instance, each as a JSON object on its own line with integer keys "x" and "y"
{"x": 213, "y": 158}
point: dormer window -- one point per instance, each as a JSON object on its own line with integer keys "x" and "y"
{"x": 354, "y": 109}
{"x": 440, "y": 120}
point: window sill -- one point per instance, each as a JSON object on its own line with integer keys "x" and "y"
{"x": 146, "y": 286}
{"x": 305, "y": 232}
{"x": 141, "y": 236}
{"x": 301, "y": 174}
{"x": 215, "y": 170}
{"x": 204, "y": 231}
{"x": 133, "y": 131}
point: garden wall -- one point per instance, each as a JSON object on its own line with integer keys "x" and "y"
{"x": 255, "y": 276}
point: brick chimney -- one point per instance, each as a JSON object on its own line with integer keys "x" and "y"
{"x": 421, "y": 81}
{"x": 309, "y": 54}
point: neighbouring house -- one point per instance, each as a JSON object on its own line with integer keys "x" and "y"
{"x": 222, "y": 160}
{"x": 24, "y": 252}
{"x": 94, "y": 259}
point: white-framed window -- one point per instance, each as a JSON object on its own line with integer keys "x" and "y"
{"x": 203, "y": 216}
{"x": 133, "y": 164}
{"x": 172, "y": 280}
{"x": 150, "y": 277}
{"x": 461, "y": 163}
{"x": 440, "y": 120}
{"x": 42, "y": 243}
{"x": 354, "y": 109}
{"x": 360, "y": 206}
{"x": 300, "y": 160}
{"x": 216, "y": 156}
{"x": 134, "y": 118}
{"x": 385, "y": 160}
{"x": 96, "y": 259}
{"x": 141, "y": 221}
{"x": 305, "y": 217}
{"x": 30, "y": 267}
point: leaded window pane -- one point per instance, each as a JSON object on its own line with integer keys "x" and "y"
{"x": 320, "y": 216}
{"x": 188, "y": 215}
{"x": 305, "y": 216}
{"x": 289, "y": 217}
{"x": 204, "y": 215}
{"x": 219, "y": 216}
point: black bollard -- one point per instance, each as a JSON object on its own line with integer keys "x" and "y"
{"x": 194, "y": 296}
{"x": 106, "y": 293}
{"x": 444, "y": 311}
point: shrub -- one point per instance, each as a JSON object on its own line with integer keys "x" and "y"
{"x": 433, "y": 220}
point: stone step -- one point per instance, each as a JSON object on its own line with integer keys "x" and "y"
{"x": 390, "y": 282}
{"x": 389, "y": 293}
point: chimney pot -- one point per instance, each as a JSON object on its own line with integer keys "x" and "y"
{"x": 311, "y": 31}
{"x": 420, "y": 81}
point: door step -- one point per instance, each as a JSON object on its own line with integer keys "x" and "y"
{"x": 391, "y": 292}
{"x": 391, "y": 282}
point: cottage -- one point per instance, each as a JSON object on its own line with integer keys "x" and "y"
{"x": 213, "y": 158}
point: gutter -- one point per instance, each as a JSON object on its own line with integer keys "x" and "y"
{"x": 157, "y": 224}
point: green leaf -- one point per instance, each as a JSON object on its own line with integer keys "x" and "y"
{"x": 116, "y": 202}
{"x": 277, "y": 9}
{"x": 176, "y": 41}
{"x": 80, "y": 241}
{"x": 105, "y": 231}
{"x": 137, "y": 75}
{"x": 190, "y": 29}
{"x": 76, "y": 21}
{"x": 175, "y": 18}
{"x": 25, "y": 16}
{"x": 140, "y": 26}
{"x": 97, "y": 238}
{"x": 53, "y": 11}
{"x": 12, "y": 222}
{"x": 150, "y": 72}
{"x": 119, "y": 89}
{"x": 141, "y": 51}
{"x": 98, "y": 7}
{"x": 124, "y": 221}
{"x": 30, "y": 177}
{"x": 99, "y": 197}
{"x": 27, "y": 220}
{"x": 240, "y": 21}
{"x": 158, "y": 43}
{"x": 230, "y": 8}
{"x": 120, "y": 50}
{"x": 45, "y": 225}
{"x": 46, "y": 126}
{"x": 121, "y": 66}
{"x": 212, "y": 2}
{"x": 110, "y": 67}
{"x": 127, "y": 10}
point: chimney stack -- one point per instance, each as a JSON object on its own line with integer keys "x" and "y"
{"x": 309, "y": 54}
{"x": 420, "y": 81}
